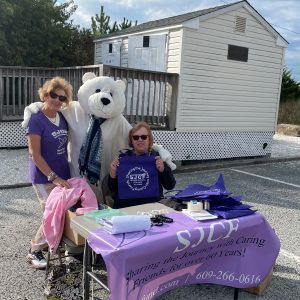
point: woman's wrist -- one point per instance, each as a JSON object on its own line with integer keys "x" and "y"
{"x": 52, "y": 176}
{"x": 112, "y": 175}
{"x": 56, "y": 180}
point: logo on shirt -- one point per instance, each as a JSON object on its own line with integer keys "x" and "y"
{"x": 59, "y": 132}
{"x": 137, "y": 179}
{"x": 61, "y": 135}
{"x": 62, "y": 142}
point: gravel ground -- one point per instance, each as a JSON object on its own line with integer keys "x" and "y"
{"x": 13, "y": 166}
{"x": 14, "y": 162}
{"x": 20, "y": 216}
{"x": 285, "y": 146}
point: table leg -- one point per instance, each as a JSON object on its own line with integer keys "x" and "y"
{"x": 86, "y": 264}
{"x": 236, "y": 294}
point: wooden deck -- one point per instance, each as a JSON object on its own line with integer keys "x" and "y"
{"x": 150, "y": 96}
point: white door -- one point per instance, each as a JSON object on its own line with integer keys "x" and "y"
{"x": 147, "y": 52}
{"x": 111, "y": 53}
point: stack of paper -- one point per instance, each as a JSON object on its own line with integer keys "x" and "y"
{"x": 199, "y": 216}
{"x": 123, "y": 224}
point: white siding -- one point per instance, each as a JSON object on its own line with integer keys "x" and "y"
{"x": 112, "y": 58}
{"x": 98, "y": 53}
{"x": 152, "y": 57}
{"x": 124, "y": 53}
{"x": 174, "y": 51}
{"x": 216, "y": 94}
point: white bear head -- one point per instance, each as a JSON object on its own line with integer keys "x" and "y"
{"x": 102, "y": 96}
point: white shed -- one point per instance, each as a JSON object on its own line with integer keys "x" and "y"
{"x": 230, "y": 62}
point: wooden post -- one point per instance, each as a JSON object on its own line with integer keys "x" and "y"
{"x": 171, "y": 99}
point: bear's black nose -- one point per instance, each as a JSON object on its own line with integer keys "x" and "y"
{"x": 105, "y": 101}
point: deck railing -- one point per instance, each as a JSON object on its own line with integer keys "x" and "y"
{"x": 150, "y": 96}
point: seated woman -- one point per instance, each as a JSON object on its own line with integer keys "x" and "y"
{"x": 140, "y": 138}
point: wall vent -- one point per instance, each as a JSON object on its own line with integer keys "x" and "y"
{"x": 240, "y": 24}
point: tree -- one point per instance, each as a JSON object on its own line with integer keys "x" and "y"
{"x": 290, "y": 88}
{"x": 126, "y": 24}
{"x": 80, "y": 50}
{"x": 100, "y": 25}
{"x": 40, "y": 33}
{"x": 6, "y": 11}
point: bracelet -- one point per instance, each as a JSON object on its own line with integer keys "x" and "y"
{"x": 52, "y": 176}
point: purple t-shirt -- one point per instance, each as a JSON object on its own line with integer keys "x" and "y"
{"x": 54, "y": 140}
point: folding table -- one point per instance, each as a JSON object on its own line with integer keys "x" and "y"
{"x": 239, "y": 253}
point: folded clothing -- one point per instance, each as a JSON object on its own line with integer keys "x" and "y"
{"x": 122, "y": 224}
{"x": 99, "y": 215}
{"x": 233, "y": 207}
{"x": 234, "y": 213}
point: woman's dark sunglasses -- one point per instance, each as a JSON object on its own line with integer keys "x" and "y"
{"x": 54, "y": 96}
{"x": 137, "y": 137}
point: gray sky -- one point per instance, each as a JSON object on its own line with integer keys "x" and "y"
{"x": 283, "y": 15}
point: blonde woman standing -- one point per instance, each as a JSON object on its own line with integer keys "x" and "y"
{"x": 47, "y": 135}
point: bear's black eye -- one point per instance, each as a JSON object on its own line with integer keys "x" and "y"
{"x": 110, "y": 94}
{"x": 98, "y": 91}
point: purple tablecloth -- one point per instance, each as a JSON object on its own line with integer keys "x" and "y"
{"x": 143, "y": 265}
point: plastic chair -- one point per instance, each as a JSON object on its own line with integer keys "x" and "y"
{"x": 65, "y": 246}
{"x": 106, "y": 192}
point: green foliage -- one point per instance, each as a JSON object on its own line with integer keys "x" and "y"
{"x": 289, "y": 113}
{"x": 100, "y": 25}
{"x": 290, "y": 88}
{"x": 115, "y": 27}
{"x": 126, "y": 24}
{"x": 39, "y": 33}
{"x": 80, "y": 49}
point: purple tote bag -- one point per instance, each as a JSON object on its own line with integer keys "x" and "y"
{"x": 138, "y": 177}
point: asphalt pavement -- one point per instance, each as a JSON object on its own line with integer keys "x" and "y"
{"x": 20, "y": 216}
{"x": 14, "y": 162}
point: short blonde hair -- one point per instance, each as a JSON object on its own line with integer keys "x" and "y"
{"x": 54, "y": 84}
{"x": 135, "y": 128}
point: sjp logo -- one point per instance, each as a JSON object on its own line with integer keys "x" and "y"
{"x": 137, "y": 179}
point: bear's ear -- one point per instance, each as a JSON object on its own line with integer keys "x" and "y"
{"x": 87, "y": 76}
{"x": 121, "y": 85}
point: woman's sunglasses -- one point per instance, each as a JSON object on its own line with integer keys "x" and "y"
{"x": 54, "y": 96}
{"x": 137, "y": 137}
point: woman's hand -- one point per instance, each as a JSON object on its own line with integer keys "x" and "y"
{"x": 113, "y": 167}
{"x": 61, "y": 182}
{"x": 159, "y": 164}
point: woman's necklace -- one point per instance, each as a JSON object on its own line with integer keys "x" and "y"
{"x": 46, "y": 112}
{"x": 53, "y": 120}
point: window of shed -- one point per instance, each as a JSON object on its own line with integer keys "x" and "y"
{"x": 110, "y": 48}
{"x": 237, "y": 53}
{"x": 146, "y": 41}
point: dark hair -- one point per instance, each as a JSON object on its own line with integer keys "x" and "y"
{"x": 135, "y": 128}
